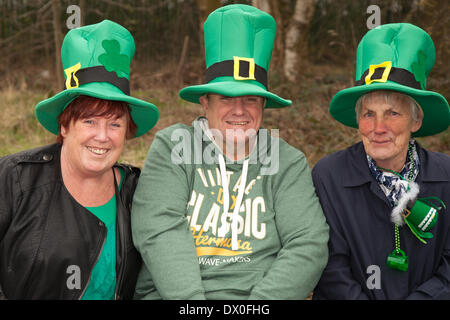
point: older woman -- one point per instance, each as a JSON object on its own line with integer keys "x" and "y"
{"x": 386, "y": 198}
{"x": 65, "y": 208}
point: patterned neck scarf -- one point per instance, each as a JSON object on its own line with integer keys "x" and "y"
{"x": 392, "y": 186}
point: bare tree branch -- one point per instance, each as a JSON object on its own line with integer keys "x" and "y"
{"x": 130, "y": 7}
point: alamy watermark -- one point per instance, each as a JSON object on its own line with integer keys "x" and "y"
{"x": 374, "y": 280}
{"x": 74, "y": 278}
{"x": 260, "y": 147}
{"x": 74, "y": 20}
{"x": 374, "y": 20}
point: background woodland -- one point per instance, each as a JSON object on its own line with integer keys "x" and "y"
{"x": 313, "y": 58}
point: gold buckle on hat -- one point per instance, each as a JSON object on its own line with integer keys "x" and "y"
{"x": 251, "y": 68}
{"x": 387, "y": 69}
{"x": 70, "y": 73}
{"x": 407, "y": 213}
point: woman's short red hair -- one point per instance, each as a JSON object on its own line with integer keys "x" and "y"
{"x": 84, "y": 107}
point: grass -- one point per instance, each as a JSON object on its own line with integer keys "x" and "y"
{"x": 19, "y": 129}
{"x": 306, "y": 125}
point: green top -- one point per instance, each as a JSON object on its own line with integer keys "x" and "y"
{"x": 102, "y": 282}
{"x": 179, "y": 211}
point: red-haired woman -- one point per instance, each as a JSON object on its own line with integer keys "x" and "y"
{"x": 65, "y": 208}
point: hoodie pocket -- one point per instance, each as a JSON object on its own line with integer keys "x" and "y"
{"x": 229, "y": 284}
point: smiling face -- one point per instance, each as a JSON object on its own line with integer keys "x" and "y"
{"x": 92, "y": 145}
{"x": 385, "y": 127}
{"x": 237, "y": 119}
{"x": 92, "y": 133}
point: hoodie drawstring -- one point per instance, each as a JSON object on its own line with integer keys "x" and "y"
{"x": 226, "y": 202}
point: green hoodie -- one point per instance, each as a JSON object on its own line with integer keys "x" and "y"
{"x": 275, "y": 247}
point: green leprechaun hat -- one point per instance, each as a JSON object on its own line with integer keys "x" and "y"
{"x": 398, "y": 57}
{"x": 421, "y": 218}
{"x": 96, "y": 61}
{"x": 238, "y": 48}
{"x": 422, "y": 215}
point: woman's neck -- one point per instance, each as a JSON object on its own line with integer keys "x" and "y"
{"x": 90, "y": 190}
{"x": 395, "y": 164}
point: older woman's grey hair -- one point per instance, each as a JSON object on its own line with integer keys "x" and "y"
{"x": 392, "y": 98}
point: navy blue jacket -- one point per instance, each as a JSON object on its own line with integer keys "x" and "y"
{"x": 362, "y": 235}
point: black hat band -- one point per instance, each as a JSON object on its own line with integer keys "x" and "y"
{"x": 239, "y": 68}
{"x": 398, "y": 75}
{"x": 96, "y": 74}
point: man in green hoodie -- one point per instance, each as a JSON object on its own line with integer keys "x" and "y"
{"x": 223, "y": 210}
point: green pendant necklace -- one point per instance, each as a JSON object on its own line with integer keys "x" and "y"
{"x": 398, "y": 259}
{"x": 421, "y": 215}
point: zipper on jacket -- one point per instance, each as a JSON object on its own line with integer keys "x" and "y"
{"x": 120, "y": 273}
{"x": 96, "y": 260}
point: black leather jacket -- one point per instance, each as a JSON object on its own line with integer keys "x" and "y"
{"x": 49, "y": 243}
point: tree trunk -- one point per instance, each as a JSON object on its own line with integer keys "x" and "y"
{"x": 46, "y": 38}
{"x": 83, "y": 9}
{"x": 278, "y": 48}
{"x": 178, "y": 76}
{"x": 263, "y": 5}
{"x": 57, "y": 39}
{"x": 205, "y": 7}
{"x": 296, "y": 44}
